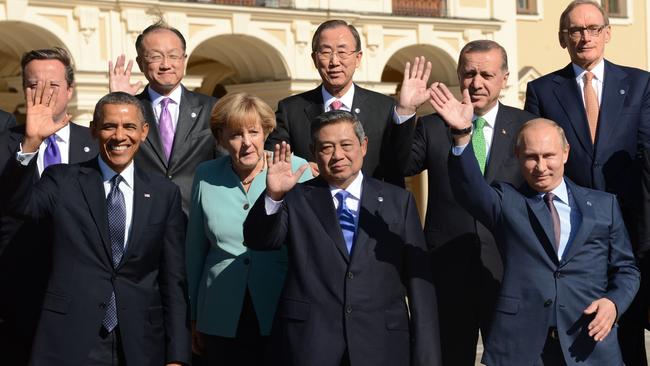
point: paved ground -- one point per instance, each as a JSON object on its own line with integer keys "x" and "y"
{"x": 480, "y": 348}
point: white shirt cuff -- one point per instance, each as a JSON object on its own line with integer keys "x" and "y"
{"x": 271, "y": 206}
{"x": 24, "y": 158}
{"x": 398, "y": 119}
{"x": 458, "y": 150}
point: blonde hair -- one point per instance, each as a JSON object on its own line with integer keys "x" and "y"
{"x": 238, "y": 110}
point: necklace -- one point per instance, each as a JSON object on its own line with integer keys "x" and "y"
{"x": 250, "y": 180}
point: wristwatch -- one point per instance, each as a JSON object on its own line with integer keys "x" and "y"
{"x": 460, "y": 132}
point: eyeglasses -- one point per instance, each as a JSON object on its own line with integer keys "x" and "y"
{"x": 579, "y": 32}
{"x": 154, "y": 58}
{"x": 327, "y": 55}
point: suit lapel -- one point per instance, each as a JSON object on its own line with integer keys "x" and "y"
{"x": 581, "y": 199}
{"x": 369, "y": 208}
{"x": 315, "y": 105}
{"x": 142, "y": 198}
{"x": 615, "y": 88}
{"x": 81, "y": 149}
{"x": 501, "y": 142}
{"x": 92, "y": 188}
{"x": 188, "y": 112}
{"x": 542, "y": 217}
{"x": 320, "y": 199}
{"x": 568, "y": 97}
{"x": 153, "y": 137}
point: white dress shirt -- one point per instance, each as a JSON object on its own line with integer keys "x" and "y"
{"x": 173, "y": 108}
{"x": 596, "y": 82}
{"x": 346, "y": 99}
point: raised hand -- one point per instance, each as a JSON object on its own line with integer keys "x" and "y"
{"x": 119, "y": 77}
{"x": 602, "y": 324}
{"x": 39, "y": 125}
{"x": 457, "y": 114}
{"x": 279, "y": 177}
{"x": 414, "y": 90}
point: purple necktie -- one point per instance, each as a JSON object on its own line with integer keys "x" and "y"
{"x": 555, "y": 217}
{"x": 52, "y": 154}
{"x": 166, "y": 127}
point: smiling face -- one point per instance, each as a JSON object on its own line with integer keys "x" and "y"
{"x": 335, "y": 72}
{"x": 542, "y": 156}
{"x": 585, "y": 51}
{"x": 482, "y": 74}
{"x": 245, "y": 144}
{"x": 119, "y": 134}
{"x": 162, "y": 60}
{"x": 339, "y": 153}
{"x": 54, "y": 72}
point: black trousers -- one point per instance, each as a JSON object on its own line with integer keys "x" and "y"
{"x": 248, "y": 348}
{"x": 108, "y": 350}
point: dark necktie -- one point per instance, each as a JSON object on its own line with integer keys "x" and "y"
{"x": 548, "y": 198}
{"x": 346, "y": 219}
{"x": 166, "y": 127}
{"x": 116, "y": 209}
{"x": 52, "y": 154}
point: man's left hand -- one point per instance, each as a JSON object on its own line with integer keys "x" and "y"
{"x": 605, "y": 311}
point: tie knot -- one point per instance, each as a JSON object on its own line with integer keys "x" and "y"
{"x": 336, "y": 105}
{"x": 51, "y": 139}
{"x": 341, "y": 196}
{"x": 548, "y": 197}
{"x": 165, "y": 102}
{"x": 479, "y": 123}
{"x": 588, "y": 76}
{"x": 116, "y": 180}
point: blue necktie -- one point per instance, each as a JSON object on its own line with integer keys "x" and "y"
{"x": 346, "y": 219}
{"x": 52, "y": 155}
{"x": 116, "y": 209}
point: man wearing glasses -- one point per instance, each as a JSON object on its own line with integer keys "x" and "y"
{"x": 179, "y": 138}
{"x": 605, "y": 111}
{"x": 336, "y": 52}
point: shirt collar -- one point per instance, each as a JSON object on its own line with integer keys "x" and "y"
{"x": 490, "y": 117}
{"x": 108, "y": 173}
{"x": 346, "y": 99}
{"x": 598, "y": 71}
{"x": 63, "y": 134}
{"x": 354, "y": 189}
{"x": 560, "y": 192}
{"x": 156, "y": 98}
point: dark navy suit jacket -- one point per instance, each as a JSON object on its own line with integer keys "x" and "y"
{"x": 598, "y": 263}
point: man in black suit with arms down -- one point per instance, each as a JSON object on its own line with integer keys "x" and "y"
{"x": 180, "y": 137}
{"x": 356, "y": 250}
{"x": 336, "y": 53}
{"x": 466, "y": 263}
{"x": 117, "y": 289}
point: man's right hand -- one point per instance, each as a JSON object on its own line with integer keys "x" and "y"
{"x": 457, "y": 115}
{"x": 119, "y": 77}
{"x": 414, "y": 90}
{"x": 39, "y": 125}
{"x": 279, "y": 177}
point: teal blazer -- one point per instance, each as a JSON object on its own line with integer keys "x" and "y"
{"x": 219, "y": 266}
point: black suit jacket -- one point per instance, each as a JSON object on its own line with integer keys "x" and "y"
{"x": 612, "y": 163}
{"x": 193, "y": 141}
{"x": 7, "y": 120}
{"x": 333, "y": 301}
{"x": 375, "y": 111}
{"x": 149, "y": 283}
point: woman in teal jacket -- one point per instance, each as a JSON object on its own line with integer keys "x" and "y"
{"x": 233, "y": 291}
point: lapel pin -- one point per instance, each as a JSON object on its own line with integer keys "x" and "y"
{"x": 380, "y": 199}
{"x": 357, "y": 110}
{"x": 86, "y": 149}
{"x": 621, "y": 91}
{"x": 193, "y": 115}
{"x": 588, "y": 203}
{"x": 503, "y": 131}
{"x": 147, "y": 195}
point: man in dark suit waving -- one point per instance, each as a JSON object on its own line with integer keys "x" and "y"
{"x": 117, "y": 290}
{"x": 466, "y": 264}
{"x": 569, "y": 270}
{"x": 180, "y": 137}
{"x": 356, "y": 251}
{"x": 604, "y": 110}
{"x": 336, "y": 52}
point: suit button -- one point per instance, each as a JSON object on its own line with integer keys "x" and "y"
{"x": 102, "y": 305}
{"x": 350, "y": 275}
{"x": 246, "y": 206}
{"x": 247, "y": 261}
{"x": 558, "y": 274}
{"x": 548, "y": 302}
{"x": 348, "y": 309}
{"x": 169, "y": 176}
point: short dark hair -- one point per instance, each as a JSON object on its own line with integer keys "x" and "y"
{"x": 158, "y": 26}
{"x": 564, "y": 17}
{"x": 483, "y": 45}
{"x": 54, "y": 53}
{"x": 335, "y": 23}
{"x": 333, "y": 117}
{"x": 116, "y": 98}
